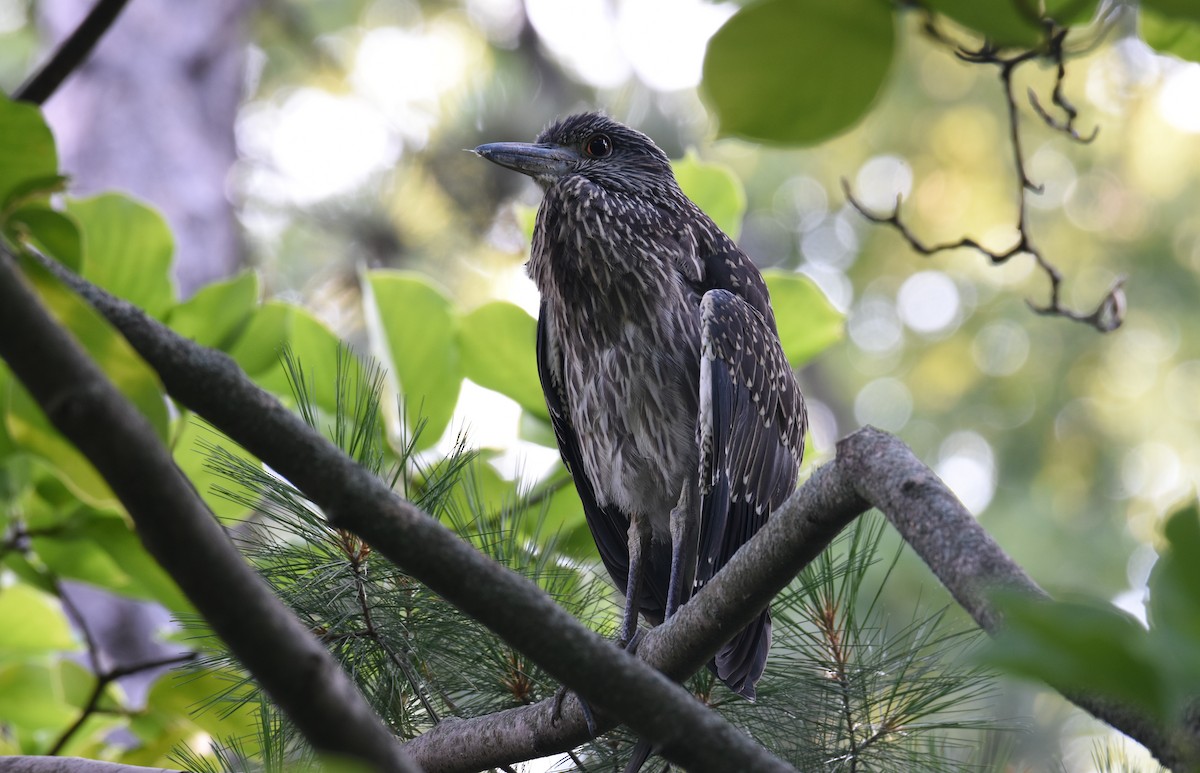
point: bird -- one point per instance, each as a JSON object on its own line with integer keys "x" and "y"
{"x": 673, "y": 404}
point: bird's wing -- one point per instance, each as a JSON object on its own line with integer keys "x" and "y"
{"x": 609, "y": 525}
{"x": 750, "y": 431}
{"x": 750, "y": 428}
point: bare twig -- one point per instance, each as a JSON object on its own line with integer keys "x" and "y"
{"x": 103, "y": 680}
{"x": 1110, "y": 311}
{"x": 73, "y": 51}
{"x": 1056, "y": 37}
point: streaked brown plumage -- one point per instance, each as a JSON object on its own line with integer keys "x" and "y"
{"x": 673, "y": 404}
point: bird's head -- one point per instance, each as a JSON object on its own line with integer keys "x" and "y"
{"x": 591, "y": 145}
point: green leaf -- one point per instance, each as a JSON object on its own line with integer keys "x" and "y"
{"x": 29, "y": 427}
{"x": 1078, "y": 645}
{"x": 35, "y": 190}
{"x": 217, "y": 314}
{"x": 497, "y": 342}
{"x": 797, "y": 72}
{"x": 258, "y": 349}
{"x": 1070, "y": 12}
{"x": 412, "y": 325}
{"x": 715, "y": 189}
{"x": 70, "y": 554}
{"x": 123, "y": 366}
{"x": 566, "y": 525}
{"x": 192, "y": 453}
{"x": 127, "y": 250}
{"x": 1003, "y": 21}
{"x": 536, "y": 429}
{"x": 26, "y": 150}
{"x": 51, "y": 232}
{"x": 808, "y": 323}
{"x": 1169, "y": 35}
{"x": 1175, "y": 9}
{"x": 32, "y": 622}
{"x": 316, "y": 348}
{"x": 149, "y": 580}
{"x": 31, "y": 697}
{"x": 1175, "y": 581}
{"x": 195, "y": 693}
{"x": 1174, "y": 609}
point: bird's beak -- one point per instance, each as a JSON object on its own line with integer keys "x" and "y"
{"x": 541, "y": 162}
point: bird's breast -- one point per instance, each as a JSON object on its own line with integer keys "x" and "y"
{"x": 633, "y": 401}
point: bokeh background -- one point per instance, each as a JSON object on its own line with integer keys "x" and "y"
{"x": 310, "y": 140}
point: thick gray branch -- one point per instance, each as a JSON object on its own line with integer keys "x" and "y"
{"x": 70, "y": 765}
{"x": 970, "y": 564}
{"x": 872, "y": 468}
{"x": 611, "y": 680}
{"x": 181, "y": 533}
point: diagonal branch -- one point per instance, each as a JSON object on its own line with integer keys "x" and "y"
{"x": 73, "y": 51}
{"x": 70, "y": 765}
{"x": 182, "y": 534}
{"x": 608, "y": 678}
{"x": 872, "y": 468}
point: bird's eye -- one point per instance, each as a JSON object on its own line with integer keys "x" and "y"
{"x": 598, "y": 146}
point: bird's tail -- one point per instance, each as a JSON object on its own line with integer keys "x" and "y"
{"x": 741, "y": 662}
{"x": 641, "y": 753}
{"x": 739, "y": 665}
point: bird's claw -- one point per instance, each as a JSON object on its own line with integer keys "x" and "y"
{"x": 588, "y": 717}
{"x": 632, "y": 645}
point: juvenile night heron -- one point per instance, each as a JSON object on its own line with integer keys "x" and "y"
{"x": 674, "y": 406}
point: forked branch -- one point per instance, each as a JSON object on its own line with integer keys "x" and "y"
{"x": 1109, "y": 313}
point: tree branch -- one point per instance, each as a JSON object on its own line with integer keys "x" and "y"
{"x": 871, "y": 468}
{"x": 1110, "y": 311}
{"x": 182, "y": 534}
{"x": 609, "y": 679}
{"x": 73, "y": 51}
{"x": 70, "y": 765}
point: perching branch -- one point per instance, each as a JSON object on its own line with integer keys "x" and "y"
{"x": 1110, "y": 311}
{"x": 609, "y": 679}
{"x": 73, "y": 51}
{"x": 183, "y": 535}
{"x": 872, "y": 468}
{"x": 70, "y": 765}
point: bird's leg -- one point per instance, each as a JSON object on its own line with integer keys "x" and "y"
{"x": 685, "y": 533}
{"x": 639, "y": 551}
{"x": 685, "y": 542}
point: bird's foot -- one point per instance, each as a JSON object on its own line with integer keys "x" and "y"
{"x": 634, "y": 642}
{"x": 560, "y": 695}
{"x": 588, "y": 717}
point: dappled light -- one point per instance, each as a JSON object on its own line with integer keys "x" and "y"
{"x": 979, "y": 233}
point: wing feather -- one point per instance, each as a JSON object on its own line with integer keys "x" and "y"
{"x": 751, "y": 434}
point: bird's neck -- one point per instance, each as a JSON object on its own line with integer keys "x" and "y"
{"x": 604, "y": 256}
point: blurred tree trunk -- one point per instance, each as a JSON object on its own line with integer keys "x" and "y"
{"x": 151, "y": 113}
